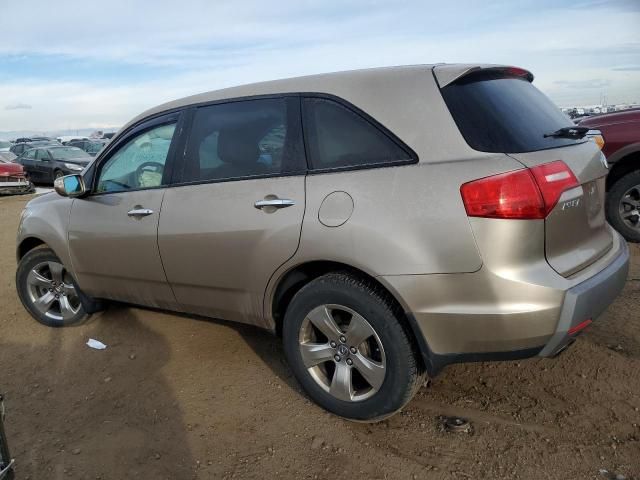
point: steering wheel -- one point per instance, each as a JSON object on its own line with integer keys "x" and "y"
{"x": 153, "y": 167}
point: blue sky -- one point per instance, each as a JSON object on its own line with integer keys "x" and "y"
{"x": 76, "y": 64}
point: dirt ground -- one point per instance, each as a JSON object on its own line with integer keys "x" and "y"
{"x": 174, "y": 397}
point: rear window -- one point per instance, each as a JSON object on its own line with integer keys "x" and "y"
{"x": 504, "y": 114}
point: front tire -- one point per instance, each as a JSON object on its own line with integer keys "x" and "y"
{"x": 47, "y": 290}
{"x": 623, "y": 206}
{"x": 346, "y": 345}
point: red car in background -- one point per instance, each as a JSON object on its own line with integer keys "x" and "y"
{"x": 621, "y": 134}
{"x": 13, "y": 178}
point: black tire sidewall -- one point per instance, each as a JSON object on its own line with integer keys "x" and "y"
{"x": 614, "y": 196}
{"x": 399, "y": 383}
{"x": 30, "y": 260}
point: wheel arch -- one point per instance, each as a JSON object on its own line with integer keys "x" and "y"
{"x": 622, "y": 162}
{"x": 291, "y": 281}
{"x": 27, "y": 244}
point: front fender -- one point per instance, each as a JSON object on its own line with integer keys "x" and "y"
{"x": 46, "y": 219}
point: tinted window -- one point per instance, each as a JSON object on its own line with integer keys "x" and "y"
{"x": 339, "y": 137}
{"x": 504, "y": 115}
{"x": 245, "y": 139}
{"x": 94, "y": 147}
{"x": 31, "y": 155}
{"x": 139, "y": 163}
{"x": 42, "y": 155}
{"x": 18, "y": 149}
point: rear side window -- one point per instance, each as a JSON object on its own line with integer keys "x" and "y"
{"x": 339, "y": 137}
{"x": 502, "y": 114}
{"x": 248, "y": 138}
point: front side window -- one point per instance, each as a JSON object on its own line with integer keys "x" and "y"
{"x": 139, "y": 163}
{"x": 339, "y": 137}
{"x": 245, "y": 139}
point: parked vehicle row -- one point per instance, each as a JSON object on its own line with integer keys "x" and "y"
{"x": 384, "y": 222}
{"x": 21, "y": 147}
{"x": 92, "y": 147}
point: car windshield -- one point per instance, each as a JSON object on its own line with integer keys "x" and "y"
{"x": 68, "y": 153}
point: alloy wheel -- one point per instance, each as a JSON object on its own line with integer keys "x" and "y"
{"x": 342, "y": 352}
{"x": 629, "y": 207}
{"x": 51, "y": 291}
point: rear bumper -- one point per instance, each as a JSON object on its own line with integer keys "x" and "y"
{"x": 587, "y": 301}
{"x": 505, "y": 314}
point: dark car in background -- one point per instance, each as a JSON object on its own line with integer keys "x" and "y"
{"x": 45, "y": 164}
{"x": 620, "y": 133}
{"x": 19, "y": 148}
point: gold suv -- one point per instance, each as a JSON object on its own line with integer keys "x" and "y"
{"x": 383, "y": 222}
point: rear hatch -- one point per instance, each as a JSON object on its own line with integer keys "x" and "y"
{"x": 498, "y": 110}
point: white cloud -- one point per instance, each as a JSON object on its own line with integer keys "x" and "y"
{"x": 18, "y": 106}
{"x": 199, "y": 45}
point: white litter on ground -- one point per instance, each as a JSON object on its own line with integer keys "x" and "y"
{"x": 95, "y": 344}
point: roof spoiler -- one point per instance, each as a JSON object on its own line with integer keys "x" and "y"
{"x": 447, "y": 74}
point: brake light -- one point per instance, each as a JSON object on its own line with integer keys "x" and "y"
{"x": 526, "y": 194}
{"x": 553, "y": 179}
{"x": 519, "y": 72}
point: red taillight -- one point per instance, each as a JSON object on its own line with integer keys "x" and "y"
{"x": 526, "y": 194}
{"x": 553, "y": 179}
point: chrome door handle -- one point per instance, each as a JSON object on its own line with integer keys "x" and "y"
{"x": 276, "y": 202}
{"x": 139, "y": 212}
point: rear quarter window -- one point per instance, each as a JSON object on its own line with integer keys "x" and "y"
{"x": 338, "y": 137}
{"x": 501, "y": 114}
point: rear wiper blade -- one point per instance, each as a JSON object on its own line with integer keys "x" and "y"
{"x": 568, "y": 132}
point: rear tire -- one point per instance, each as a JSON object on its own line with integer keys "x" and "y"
{"x": 48, "y": 292}
{"x": 623, "y": 206}
{"x": 360, "y": 363}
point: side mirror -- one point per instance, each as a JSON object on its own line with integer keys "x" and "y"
{"x": 70, "y": 186}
